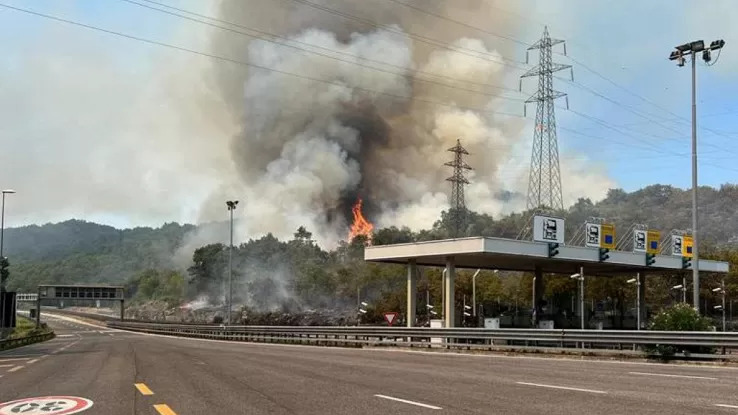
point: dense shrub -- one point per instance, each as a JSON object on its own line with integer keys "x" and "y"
{"x": 679, "y": 317}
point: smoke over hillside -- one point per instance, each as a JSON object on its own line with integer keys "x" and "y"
{"x": 128, "y": 133}
{"x": 364, "y": 124}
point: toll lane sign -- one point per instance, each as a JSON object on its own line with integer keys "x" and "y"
{"x": 608, "y": 236}
{"x": 677, "y": 245}
{"x": 599, "y": 235}
{"x": 652, "y": 239}
{"x": 594, "y": 235}
{"x": 687, "y": 243}
{"x": 639, "y": 240}
{"x": 548, "y": 229}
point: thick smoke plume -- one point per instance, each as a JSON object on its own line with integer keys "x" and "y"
{"x": 307, "y": 149}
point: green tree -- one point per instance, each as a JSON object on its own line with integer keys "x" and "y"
{"x": 208, "y": 268}
{"x": 157, "y": 285}
{"x": 302, "y": 235}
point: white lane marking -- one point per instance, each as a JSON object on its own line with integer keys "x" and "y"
{"x": 13, "y": 359}
{"x": 6, "y": 365}
{"x": 65, "y": 335}
{"x": 540, "y": 385}
{"x": 666, "y": 375}
{"x": 408, "y": 402}
{"x": 722, "y": 405}
{"x": 30, "y": 362}
{"x": 15, "y": 369}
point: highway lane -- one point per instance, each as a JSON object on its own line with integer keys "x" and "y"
{"x": 211, "y": 377}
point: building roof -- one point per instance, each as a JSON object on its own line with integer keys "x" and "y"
{"x": 81, "y": 286}
{"x": 515, "y": 255}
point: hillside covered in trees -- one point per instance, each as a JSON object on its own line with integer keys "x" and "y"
{"x": 296, "y": 274}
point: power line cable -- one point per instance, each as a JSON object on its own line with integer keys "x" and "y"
{"x": 440, "y": 16}
{"x": 639, "y": 114}
{"x": 424, "y": 39}
{"x": 256, "y": 66}
{"x": 253, "y": 65}
{"x": 646, "y": 100}
{"x": 609, "y": 126}
{"x": 405, "y": 75}
{"x": 440, "y": 44}
{"x": 570, "y": 58}
{"x": 520, "y": 42}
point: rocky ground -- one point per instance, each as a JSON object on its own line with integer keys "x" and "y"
{"x": 160, "y": 311}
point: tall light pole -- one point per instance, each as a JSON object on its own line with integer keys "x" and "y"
{"x": 231, "y": 207}
{"x": 678, "y": 55}
{"x": 2, "y": 278}
{"x": 2, "y": 221}
{"x": 580, "y": 277}
{"x": 443, "y": 291}
{"x": 721, "y": 290}
{"x": 637, "y": 283}
{"x": 684, "y": 290}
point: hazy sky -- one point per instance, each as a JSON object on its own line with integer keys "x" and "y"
{"x": 104, "y": 128}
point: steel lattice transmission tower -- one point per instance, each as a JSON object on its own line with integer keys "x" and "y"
{"x": 544, "y": 184}
{"x": 457, "y": 211}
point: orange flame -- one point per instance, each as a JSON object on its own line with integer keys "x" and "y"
{"x": 361, "y": 226}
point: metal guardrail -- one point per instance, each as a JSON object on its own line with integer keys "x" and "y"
{"x": 22, "y": 341}
{"x": 430, "y": 336}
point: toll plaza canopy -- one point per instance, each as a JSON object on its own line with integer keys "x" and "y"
{"x": 516, "y": 255}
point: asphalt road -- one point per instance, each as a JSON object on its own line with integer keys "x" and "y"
{"x": 189, "y": 376}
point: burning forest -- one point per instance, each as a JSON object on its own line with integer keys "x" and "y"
{"x": 349, "y": 114}
{"x": 339, "y": 124}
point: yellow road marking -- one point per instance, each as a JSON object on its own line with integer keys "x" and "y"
{"x": 164, "y": 409}
{"x": 144, "y": 389}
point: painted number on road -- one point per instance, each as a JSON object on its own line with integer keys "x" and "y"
{"x": 46, "y": 405}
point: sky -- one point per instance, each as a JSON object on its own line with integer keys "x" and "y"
{"x": 119, "y": 131}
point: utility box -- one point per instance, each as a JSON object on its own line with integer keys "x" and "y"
{"x": 437, "y": 324}
{"x": 491, "y": 323}
{"x": 546, "y": 324}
